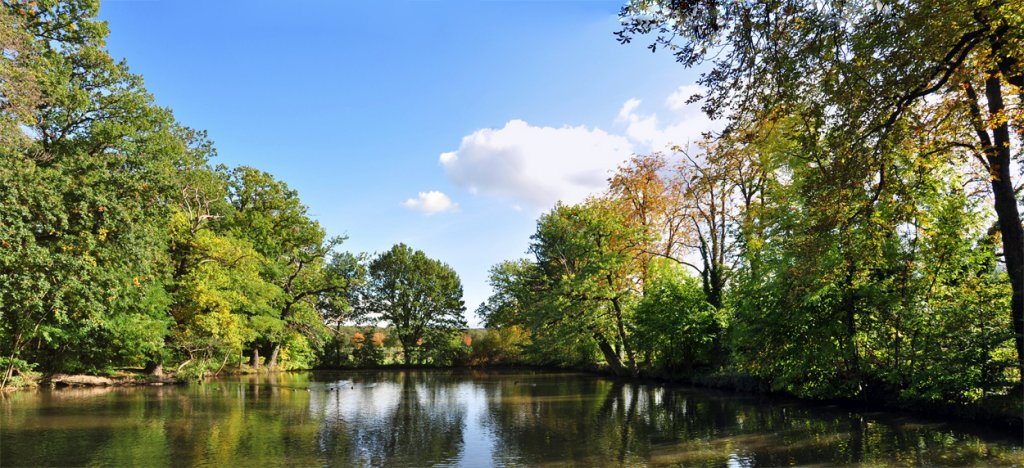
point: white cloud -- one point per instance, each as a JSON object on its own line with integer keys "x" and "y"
{"x": 536, "y": 166}
{"x": 431, "y": 202}
{"x": 685, "y": 125}
{"x": 627, "y": 110}
{"x": 642, "y": 129}
{"x": 677, "y": 100}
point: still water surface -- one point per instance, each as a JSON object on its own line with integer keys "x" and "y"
{"x": 465, "y": 418}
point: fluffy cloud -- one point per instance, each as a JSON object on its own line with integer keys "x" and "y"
{"x": 536, "y": 166}
{"x": 677, "y": 101}
{"x": 684, "y": 126}
{"x": 431, "y": 202}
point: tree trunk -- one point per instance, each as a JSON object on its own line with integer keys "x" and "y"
{"x": 622, "y": 335}
{"x": 255, "y": 362}
{"x": 711, "y": 276}
{"x": 849, "y": 311}
{"x": 272, "y": 364}
{"x": 406, "y": 356}
{"x": 998, "y": 155}
{"x": 609, "y": 354}
{"x": 8, "y": 373}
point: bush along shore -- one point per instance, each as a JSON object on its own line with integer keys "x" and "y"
{"x": 493, "y": 350}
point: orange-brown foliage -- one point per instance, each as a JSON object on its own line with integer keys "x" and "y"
{"x": 358, "y": 339}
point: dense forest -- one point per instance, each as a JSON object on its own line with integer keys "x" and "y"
{"x": 854, "y": 231}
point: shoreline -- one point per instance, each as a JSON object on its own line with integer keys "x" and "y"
{"x": 995, "y": 411}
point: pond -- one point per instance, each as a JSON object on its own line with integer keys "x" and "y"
{"x": 466, "y": 418}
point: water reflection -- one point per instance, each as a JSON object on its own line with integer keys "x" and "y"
{"x": 403, "y": 418}
{"x": 392, "y": 418}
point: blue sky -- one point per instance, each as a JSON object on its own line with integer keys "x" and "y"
{"x": 490, "y": 110}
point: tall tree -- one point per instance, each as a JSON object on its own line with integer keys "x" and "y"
{"x": 294, "y": 249}
{"x": 421, "y": 298}
{"x": 710, "y": 201}
{"x": 585, "y": 254}
{"x": 649, "y": 199}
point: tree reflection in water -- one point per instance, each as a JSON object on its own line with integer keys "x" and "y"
{"x": 590, "y": 421}
{"x": 470, "y": 418}
{"x": 391, "y": 418}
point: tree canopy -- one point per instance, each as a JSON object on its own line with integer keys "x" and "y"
{"x": 868, "y": 80}
{"x": 417, "y": 296}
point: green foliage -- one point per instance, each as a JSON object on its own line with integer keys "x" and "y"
{"x": 513, "y": 285}
{"x": 88, "y": 163}
{"x": 197, "y": 370}
{"x": 298, "y": 353}
{"x": 368, "y": 355}
{"x": 676, "y": 327}
{"x": 500, "y": 346}
{"x": 119, "y": 244}
{"x": 450, "y": 352}
{"x": 869, "y": 266}
{"x": 18, "y": 81}
{"x": 838, "y": 286}
{"x": 419, "y": 297}
{"x": 586, "y": 278}
{"x": 16, "y": 372}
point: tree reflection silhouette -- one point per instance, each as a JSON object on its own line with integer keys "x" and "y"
{"x": 422, "y": 426}
{"x": 418, "y": 418}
